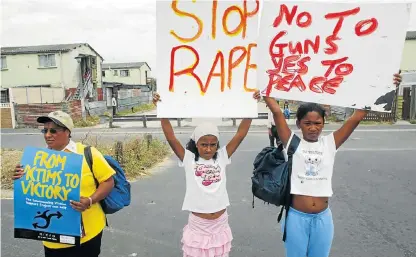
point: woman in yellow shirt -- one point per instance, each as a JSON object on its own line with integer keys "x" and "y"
{"x": 57, "y": 133}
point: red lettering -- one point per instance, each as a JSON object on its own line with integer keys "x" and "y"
{"x": 341, "y": 16}
{"x": 294, "y": 47}
{"x": 332, "y": 64}
{"x": 248, "y": 14}
{"x": 278, "y": 64}
{"x": 307, "y": 22}
{"x": 329, "y": 85}
{"x": 248, "y": 67}
{"x": 278, "y": 81}
{"x": 359, "y": 31}
{"x": 333, "y": 47}
{"x": 344, "y": 69}
{"x": 289, "y": 62}
{"x": 313, "y": 45}
{"x": 232, "y": 64}
{"x": 314, "y": 85}
{"x": 218, "y": 57}
{"x": 303, "y": 68}
{"x": 298, "y": 82}
{"x": 279, "y": 46}
{"x": 284, "y": 11}
{"x": 297, "y": 49}
{"x": 188, "y": 71}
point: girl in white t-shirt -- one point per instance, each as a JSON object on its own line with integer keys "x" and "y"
{"x": 207, "y": 233}
{"x": 309, "y": 225}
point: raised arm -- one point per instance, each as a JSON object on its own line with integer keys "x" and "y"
{"x": 238, "y": 137}
{"x": 171, "y": 138}
{"x": 169, "y": 133}
{"x": 279, "y": 119}
{"x": 342, "y": 134}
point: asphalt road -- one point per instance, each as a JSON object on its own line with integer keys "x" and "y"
{"x": 374, "y": 203}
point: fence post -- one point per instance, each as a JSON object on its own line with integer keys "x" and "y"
{"x": 413, "y": 103}
{"x": 119, "y": 152}
{"x": 234, "y": 122}
{"x": 110, "y": 122}
{"x": 144, "y": 121}
{"x": 149, "y": 139}
{"x": 179, "y": 122}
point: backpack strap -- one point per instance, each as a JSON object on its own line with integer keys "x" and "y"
{"x": 89, "y": 159}
{"x": 294, "y": 143}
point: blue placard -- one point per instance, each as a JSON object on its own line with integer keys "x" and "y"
{"x": 42, "y": 209}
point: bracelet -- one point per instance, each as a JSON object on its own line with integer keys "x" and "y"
{"x": 90, "y": 202}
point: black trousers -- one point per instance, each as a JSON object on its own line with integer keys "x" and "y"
{"x": 91, "y": 248}
{"x": 274, "y": 138}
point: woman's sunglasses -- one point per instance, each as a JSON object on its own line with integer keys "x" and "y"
{"x": 51, "y": 130}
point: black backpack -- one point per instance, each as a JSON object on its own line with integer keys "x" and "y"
{"x": 271, "y": 176}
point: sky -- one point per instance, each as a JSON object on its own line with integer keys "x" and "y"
{"x": 120, "y": 30}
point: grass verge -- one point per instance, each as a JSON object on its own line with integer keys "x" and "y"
{"x": 413, "y": 122}
{"x": 88, "y": 122}
{"x": 138, "y": 156}
{"x": 137, "y": 109}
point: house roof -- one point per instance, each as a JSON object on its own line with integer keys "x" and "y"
{"x": 411, "y": 35}
{"x": 124, "y": 65}
{"x": 44, "y": 49}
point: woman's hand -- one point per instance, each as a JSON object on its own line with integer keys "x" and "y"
{"x": 397, "y": 79}
{"x": 256, "y": 95}
{"x": 156, "y": 98}
{"x": 18, "y": 172}
{"x": 82, "y": 205}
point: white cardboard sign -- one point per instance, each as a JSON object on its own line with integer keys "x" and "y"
{"x": 206, "y": 58}
{"x": 341, "y": 54}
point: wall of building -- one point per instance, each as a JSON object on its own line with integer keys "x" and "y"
{"x": 6, "y": 116}
{"x": 24, "y": 69}
{"x": 27, "y": 95}
{"x": 137, "y": 76}
{"x": 65, "y": 74}
{"x": 26, "y": 114}
{"x": 409, "y": 56}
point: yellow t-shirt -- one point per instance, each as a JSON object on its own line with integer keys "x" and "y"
{"x": 94, "y": 217}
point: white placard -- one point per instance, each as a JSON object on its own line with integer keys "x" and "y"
{"x": 222, "y": 34}
{"x": 341, "y": 54}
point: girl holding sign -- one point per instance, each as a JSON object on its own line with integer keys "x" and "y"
{"x": 309, "y": 225}
{"x": 207, "y": 233}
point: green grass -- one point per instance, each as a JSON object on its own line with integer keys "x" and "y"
{"x": 137, "y": 109}
{"x": 88, "y": 122}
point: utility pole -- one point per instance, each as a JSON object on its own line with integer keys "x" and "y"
{"x": 413, "y": 103}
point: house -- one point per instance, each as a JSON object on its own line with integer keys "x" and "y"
{"x": 408, "y": 64}
{"x": 50, "y": 73}
{"x": 133, "y": 73}
{"x": 409, "y": 52}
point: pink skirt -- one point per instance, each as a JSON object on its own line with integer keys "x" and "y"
{"x": 207, "y": 238}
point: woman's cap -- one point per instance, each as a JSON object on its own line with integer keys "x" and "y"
{"x": 204, "y": 129}
{"x": 60, "y": 118}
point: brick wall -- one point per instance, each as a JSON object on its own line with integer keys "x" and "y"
{"x": 6, "y": 118}
{"x": 28, "y": 113}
